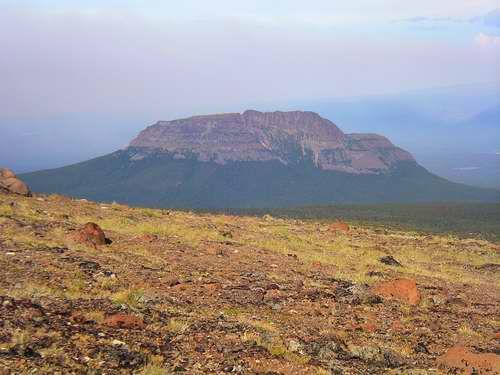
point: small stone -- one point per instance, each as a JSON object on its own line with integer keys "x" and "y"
{"x": 294, "y": 346}
{"x": 340, "y": 226}
{"x": 421, "y": 348}
{"x": 124, "y": 321}
{"x": 172, "y": 281}
{"x": 118, "y": 343}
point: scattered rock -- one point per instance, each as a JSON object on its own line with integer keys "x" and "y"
{"x": 390, "y": 261}
{"x": 11, "y": 184}
{"x": 461, "y": 360}
{"x": 369, "y": 327}
{"x": 489, "y": 267}
{"x": 404, "y": 290}
{"x": 148, "y": 238}
{"x": 122, "y": 357}
{"x": 377, "y": 356}
{"x": 340, "y": 226}
{"x": 244, "y": 296}
{"x": 374, "y": 274}
{"x": 333, "y": 348}
{"x": 355, "y": 294}
{"x": 421, "y": 348}
{"x": 118, "y": 343}
{"x": 89, "y": 266}
{"x": 78, "y": 317}
{"x": 172, "y": 281}
{"x": 294, "y": 346}
{"x": 124, "y": 321}
{"x": 457, "y": 301}
{"x": 274, "y": 295}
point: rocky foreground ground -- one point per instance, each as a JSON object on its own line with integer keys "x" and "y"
{"x": 165, "y": 292}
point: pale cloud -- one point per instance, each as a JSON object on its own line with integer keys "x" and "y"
{"x": 485, "y": 40}
{"x": 100, "y": 60}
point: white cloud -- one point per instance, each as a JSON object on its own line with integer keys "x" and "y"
{"x": 487, "y": 40}
{"x": 466, "y": 169}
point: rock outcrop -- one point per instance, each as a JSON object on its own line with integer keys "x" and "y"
{"x": 11, "y": 184}
{"x": 284, "y": 136}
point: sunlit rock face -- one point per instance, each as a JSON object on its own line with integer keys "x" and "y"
{"x": 289, "y": 137}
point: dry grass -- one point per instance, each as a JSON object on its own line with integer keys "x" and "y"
{"x": 134, "y": 273}
{"x": 132, "y": 297}
{"x": 178, "y": 326}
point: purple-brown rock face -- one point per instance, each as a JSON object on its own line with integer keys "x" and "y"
{"x": 284, "y": 136}
{"x": 11, "y": 184}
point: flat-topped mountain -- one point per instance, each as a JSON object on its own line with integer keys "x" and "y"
{"x": 284, "y": 136}
{"x": 254, "y": 159}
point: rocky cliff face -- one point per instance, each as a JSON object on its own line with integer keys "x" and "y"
{"x": 255, "y": 136}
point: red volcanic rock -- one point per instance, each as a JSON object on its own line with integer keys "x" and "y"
{"x": 404, "y": 290}
{"x": 124, "y": 321}
{"x": 281, "y": 136}
{"x": 89, "y": 234}
{"x": 6, "y": 173}
{"x": 460, "y": 360}
{"x": 10, "y": 183}
{"x": 340, "y": 226}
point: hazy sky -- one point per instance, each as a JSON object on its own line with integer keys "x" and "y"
{"x": 164, "y": 57}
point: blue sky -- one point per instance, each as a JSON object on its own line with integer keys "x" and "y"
{"x": 315, "y": 11}
{"x": 162, "y": 57}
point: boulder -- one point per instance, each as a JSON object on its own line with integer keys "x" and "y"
{"x": 404, "y": 290}
{"x": 11, "y": 184}
{"x": 6, "y": 173}
{"x": 89, "y": 234}
{"x": 461, "y": 360}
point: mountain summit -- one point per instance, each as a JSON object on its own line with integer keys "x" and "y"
{"x": 254, "y": 159}
{"x": 287, "y": 137}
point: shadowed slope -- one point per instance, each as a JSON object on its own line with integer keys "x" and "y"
{"x": 163, "y": 181}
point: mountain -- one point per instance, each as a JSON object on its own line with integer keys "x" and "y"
{"x": 254, "y": 159}
{"x": 287, "y": 137}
